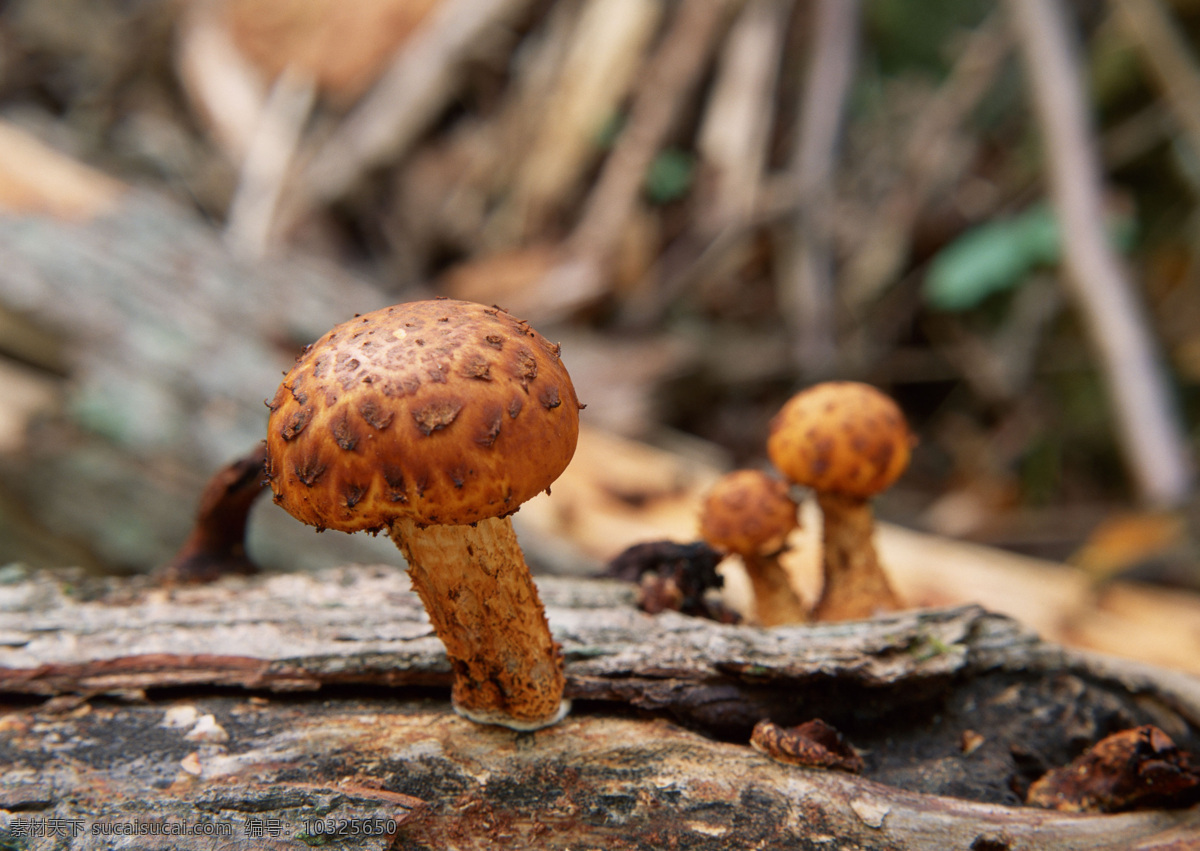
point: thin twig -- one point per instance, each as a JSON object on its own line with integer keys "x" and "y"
{"x": 673, "y": 71}
{"x": 734, "y": 137}
{"x": 675, "y": 68}
{"x": 407, "y": 98}
{"x": 604, "y": 52}
{"x": 936, "y": 154}
{"x": 1167, "y": 55}
{"x": 806, "y": 280}
{"x": 224, "y": 88}
{"x": 264, "y": 169}
{"x": 1147, "y": 422}
{"x": 734, "y": 144}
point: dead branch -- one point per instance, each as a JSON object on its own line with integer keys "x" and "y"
{"x": 807, "y": 280}
{"x": 409, "y": 95}
{"x": 267, "y": 162}
{"x": 1169, "y": 58}
{"x": 733, "y": 142}
{"x": 672, "y": 72}
{"x": 936, "y": 154}
{"x": 603, "y": 56}
{"x": 734, "y": 136}
{"x": 1147, "y": 424}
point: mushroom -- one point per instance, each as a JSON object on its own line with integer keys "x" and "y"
{"x": 433, "y": 421}
{"x": 847, "y": 441}
{"x": 751, "y": 514}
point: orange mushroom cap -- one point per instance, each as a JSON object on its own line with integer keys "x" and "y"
{"x": 749, "y": 513}
{"x": 444, "y": 411}
{"x": 841, "y": 437}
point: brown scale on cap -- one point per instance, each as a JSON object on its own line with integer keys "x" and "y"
{"x": 751, "y": 514}
{"x": 434, "y": 421}
{"x": 847, "y": 441}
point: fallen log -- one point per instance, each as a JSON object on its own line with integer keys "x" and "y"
{"x": 281, "y": 709}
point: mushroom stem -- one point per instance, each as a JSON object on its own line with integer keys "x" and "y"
{"x": 775, "y": 601}
{"x": 483, "y": 605}
{"x": 855, "y": 584}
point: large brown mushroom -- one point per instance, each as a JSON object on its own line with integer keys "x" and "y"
{"x": 751, "y": 514}
{"x": 848, "y": 442}
{"x": 433, "y": 421}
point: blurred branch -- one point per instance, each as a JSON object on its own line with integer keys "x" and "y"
{"x": 806, "y": 277}
{"x": 734, "y": 144}
{"x": 673, "y": 71}
{"x": 1167, "y": 55}
{"x": 604, "y": 52}
{"x": 409, "y": 95}
{"x": 734, "y": 137}
{"x": 223, "y": 87}
{"x": 269, "y": 155}
{"x": 1147, "y": 423}
{"x": 938, "y": 152}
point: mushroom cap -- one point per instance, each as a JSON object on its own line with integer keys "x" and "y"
{"x": 749, "y": 513}
{"x": 841, "y": 437}
{"x": 444, "y": 411}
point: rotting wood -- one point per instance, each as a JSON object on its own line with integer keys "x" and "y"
{"x": 287, "y": 773}
{"x": 141, "y": 725}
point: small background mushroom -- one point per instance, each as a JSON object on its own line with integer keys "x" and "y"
{"x": 847, "y": 442}
{"x": 750, "y": 514}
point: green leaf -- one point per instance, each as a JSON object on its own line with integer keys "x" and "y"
{"x": 670, "y": 176}
{"x": 999, "y": 255}
{"x": 991, "y": 258}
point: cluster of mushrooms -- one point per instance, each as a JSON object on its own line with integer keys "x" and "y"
{"x": 847, "y": 442}
{"x": 432, "y": 421}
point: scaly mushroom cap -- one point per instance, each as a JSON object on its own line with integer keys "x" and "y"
{"x": 445, "y": 411}
{"x": 841, "y": 437}
{"x": 749, "y": 513}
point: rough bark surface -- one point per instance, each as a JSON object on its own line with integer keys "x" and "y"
{"x": 340, "y": 718}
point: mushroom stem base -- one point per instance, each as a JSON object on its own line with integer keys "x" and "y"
{"x": 855, "y": 584}
{"x": 486, "y": 610}
{"x": 775, "y": 601}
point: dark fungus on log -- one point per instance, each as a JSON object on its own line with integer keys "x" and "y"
{"x": 673, "y": 576}
{"x": 813, "y": 744}
{"x": 1140, "y": 768}
{"x": 216, "y": 545}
